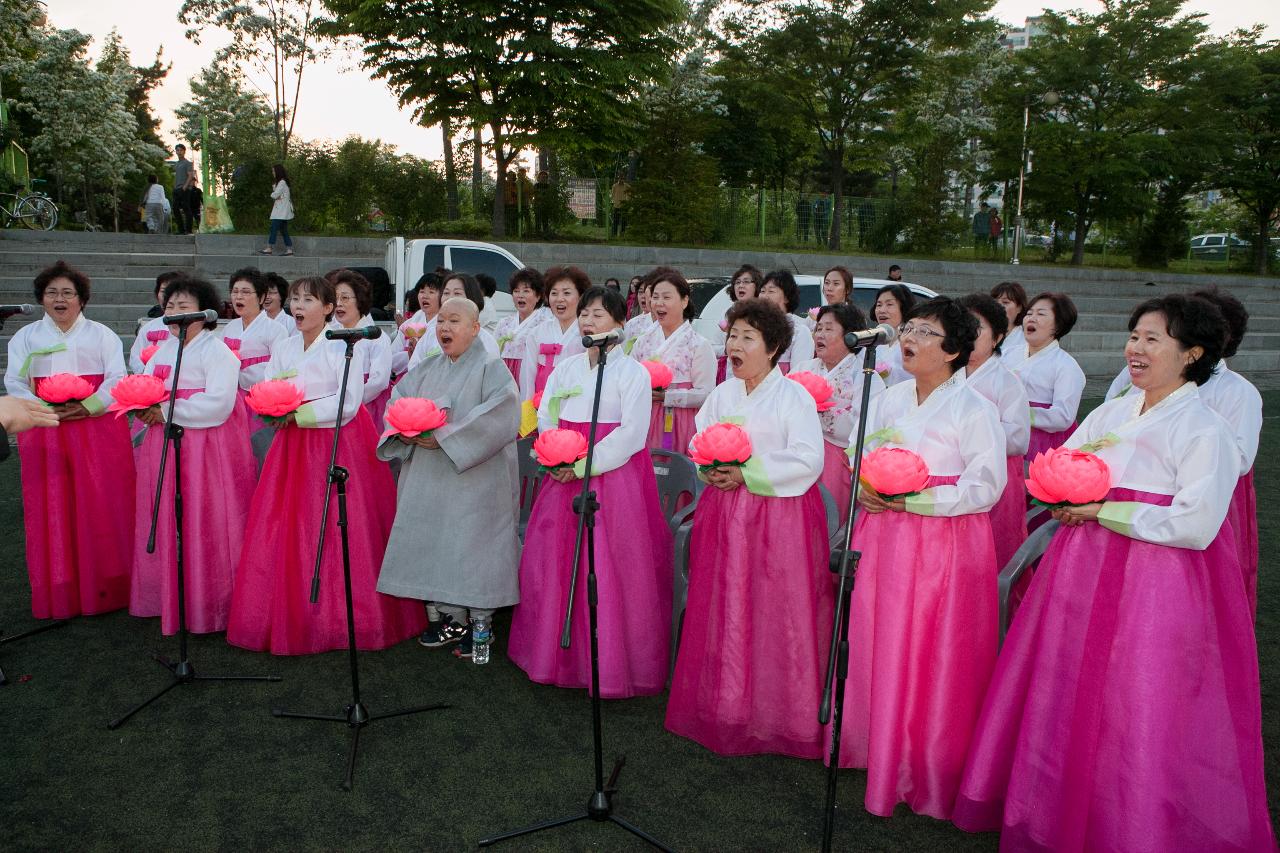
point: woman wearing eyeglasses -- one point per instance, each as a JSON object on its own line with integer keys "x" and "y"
{"x": 923, "y": 617}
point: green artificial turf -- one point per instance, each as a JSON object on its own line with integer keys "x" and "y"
{"x": 208, "y": 768}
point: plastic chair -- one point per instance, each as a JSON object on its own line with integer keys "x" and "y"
{"x": 1027, "y": 557}
{"x": 261, "y": 441}
{"x": 530, "y": 479}
{"x": 682, "y": 529}
{"x": 834, "y": 522}
{"x": 678, "y": 483}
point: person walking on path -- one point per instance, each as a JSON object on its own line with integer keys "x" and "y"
{"x": 281, "y": 212}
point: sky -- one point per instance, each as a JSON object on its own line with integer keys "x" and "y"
{"x": 340, "y": 99}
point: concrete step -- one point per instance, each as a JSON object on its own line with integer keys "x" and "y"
{"x": 1091, "y": 341}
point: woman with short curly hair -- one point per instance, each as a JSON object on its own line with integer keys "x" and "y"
{"x": 923, "y": 617}
{"x": 1125, "y": 712}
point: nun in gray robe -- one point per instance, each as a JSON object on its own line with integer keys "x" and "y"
{"x": 454, "y": 538}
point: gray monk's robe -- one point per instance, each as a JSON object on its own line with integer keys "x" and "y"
{"x": 454, "y": 538}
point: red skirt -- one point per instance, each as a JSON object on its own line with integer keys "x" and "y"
{"x": 271, "y": 608}
{"x": 77, "y": 507}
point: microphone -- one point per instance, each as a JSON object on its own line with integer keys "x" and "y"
{"x": 7, "y": 311}
{"x": 206, "y": 316}
{"x": 877, "y": 336}
{"x": 604, "y": 340}
{"x": 364, "y": 333}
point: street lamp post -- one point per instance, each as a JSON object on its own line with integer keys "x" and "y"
{"x": 1049, "y": 99}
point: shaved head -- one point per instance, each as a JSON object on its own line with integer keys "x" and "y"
{"x": 457, "y": 326}
{"x": 463, "y": 305}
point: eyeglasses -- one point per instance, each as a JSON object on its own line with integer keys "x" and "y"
{"x": 61, "y": 294}
{"x": 908, "y": 330}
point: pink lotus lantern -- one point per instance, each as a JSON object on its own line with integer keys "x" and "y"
{"x": 413, "y": 331}
{"x": 413, "y": 416}
{"x": 274, "y": 399}
{"x": 63, "y": 388}
{"x": 818, "y": 388}
{"x": 138, "y": 392}
{"x": 894, "y": 472}
{"x": 559, "y": 448}
{"x": 1065, "y": 477}
{"x": 719, "y": 445}
{"x": 147, "y": 353}
{"x": 660, "y": 375}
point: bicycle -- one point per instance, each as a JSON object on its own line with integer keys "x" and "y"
{"x": 33, "y": 209}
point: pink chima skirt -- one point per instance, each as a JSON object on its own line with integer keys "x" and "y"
{"x": 922, "y": 643}
{"x": 218, "y": 478}
{"x": 1125, "y": 712}
{"x": 270, "y": 604}
{"x": 837, "y": 477}
{"x": 377, "y": 408}
{"x": 1243, "y": 518}
{"x": 682, "y": 425}
{"x": 754, "y": 646}
{"x": 513, "y": 364}
{"x": 77, "y": 507}
{"x": 633, "y": 571}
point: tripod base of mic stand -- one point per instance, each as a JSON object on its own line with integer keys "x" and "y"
{"x": 182, "y": 672}
{"x": 599, "y": 809}
{"x": 58, "y": 623}
{"x": 356, "y": 717}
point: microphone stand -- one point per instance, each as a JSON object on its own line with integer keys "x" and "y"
{"x": 844, "y": 562}
{"x": 355, "y": 715}
{"x": 600, "y": 806}
{"x": 181, "y": 670}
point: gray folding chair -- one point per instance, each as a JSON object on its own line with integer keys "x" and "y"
{"x": 678, "y": 483}
{"x": 261, "y": 441}
{"x": 1023, "y": 560}
{"x": 530, "y": 479}
{"x": 834, "y": 522}
{"x": 682, "y": 528}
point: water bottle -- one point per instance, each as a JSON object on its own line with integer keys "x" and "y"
{"x": 481, "y": 636}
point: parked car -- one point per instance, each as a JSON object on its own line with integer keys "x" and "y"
{"x": 406, "y": 261}
{"x": 710, "y": 299}
{"x": 1214, "y": 246}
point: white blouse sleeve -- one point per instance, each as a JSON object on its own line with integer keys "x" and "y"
{"x": 702, "y": 374}
{"x": 1068, "y": 386}
{"x": 1015, "y": 418}
{"x": 14, "y": 384}
{"x": 801, "y": 343}
{"x": 795, "y": 467}
{"x": 845, "y": 424}
{"x": 985, "y": 471}
{"x": 212, "y": 406}
{"x": 113, "y": 370}
{"x": 322, "y": 412}
{"x": 378, "y": 353}
{"x": 1205, "y": 479}
{"x": 630, "y": 435}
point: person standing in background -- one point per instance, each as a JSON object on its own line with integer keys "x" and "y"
{"x": 281, "y": 211}
{"x": 184, "y": 176}
{"x": 619, "y": 195}
{"x": 821, "y": 218}
{"x": 154, "y": 206}
{"x": 981, "y": 230}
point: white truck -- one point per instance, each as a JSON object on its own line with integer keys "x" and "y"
{"x": 407, "y": 260}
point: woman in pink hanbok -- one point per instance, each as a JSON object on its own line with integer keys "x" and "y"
{"x": 753, "y": 648}
{"x": 1125, "y": 711}
{"x": 218, "y": 475}
{"x": 78, "y": 479}
{"x": 923, "y": 618}
{"x": 672, "y": 341}
{"x": 987, "y": 375}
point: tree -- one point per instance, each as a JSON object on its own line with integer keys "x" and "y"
{"x": 240, "y": 120}
{"x": 1249, "y": 168}
{"x": 845, "y": 65}
{"x": 87, "y": 134}
{"x": 275, "y": 38}
{"x": 1111, "y": 73}
{"x": 529, "y": 73}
